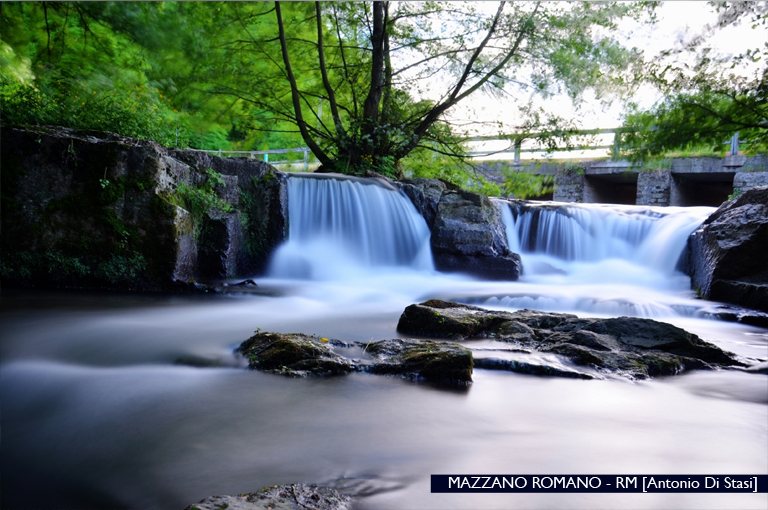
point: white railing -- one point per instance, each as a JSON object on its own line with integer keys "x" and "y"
{"x": 516, "y": 148}
{"x": 265, "y": 154}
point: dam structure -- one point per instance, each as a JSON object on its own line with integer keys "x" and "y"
{"x": 692, "y": 181}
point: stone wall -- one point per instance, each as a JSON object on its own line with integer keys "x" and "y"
{"x": 96, "y": 210}
{"x": 569, "y": 185}
{"x": 744, "y": 181}
{"x": 653, "y": 188}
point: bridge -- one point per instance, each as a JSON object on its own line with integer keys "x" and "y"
{"x": 680, "y": 181}
{"x": 683, "y": 181}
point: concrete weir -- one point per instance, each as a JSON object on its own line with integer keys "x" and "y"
{"x": 680, "y": 182}
{"x": 705, "y": 181}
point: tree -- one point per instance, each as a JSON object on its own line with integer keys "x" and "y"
{"x": 390, "y": 72}
{"x": 708, "y": 99}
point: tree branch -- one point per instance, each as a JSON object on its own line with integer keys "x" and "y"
{"x": 316, "y": 150}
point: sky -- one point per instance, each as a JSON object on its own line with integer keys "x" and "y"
{"x": 677, "y": 21}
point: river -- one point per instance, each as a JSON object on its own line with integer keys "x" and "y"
{"x": 96, "y": 412}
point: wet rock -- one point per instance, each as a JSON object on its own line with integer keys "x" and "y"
{"x": 728, "y": 252}
{"x": 522, "y": 367}
{"x": 293, "y": 354}
{"x": 736, "y": 314}
{"x": 469, "y": 237}
{"x": 438, "y": 362}
{"x": 299, "y": 355}
{"x": 425, "y": 195}
{"x": 758, "y": 368}
{"x": 280, "y": 497}
{"x": 628, "y": 346}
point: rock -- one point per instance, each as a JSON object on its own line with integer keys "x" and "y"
{"x": 438, "y": 362}
{"x": 758, "y": 368}
{"x": 736, "y": 314}
{"x": 632, "y": 347}
{"x": 101, "y": 211}
{"x": 280, "y": 497}
{"x": 521, "y": 367}
{"x": 293, "y": 354}
{"x": 299, "y": 355}
{"x": 728, "y": 259}
{"x": 425, "y": 195}
{"x": 468, "y": 236}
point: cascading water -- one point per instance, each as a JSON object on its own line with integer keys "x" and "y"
{"x": 602, "y": 259}
{"x": 645, "y": 236}
{"x": 345, "y": 227}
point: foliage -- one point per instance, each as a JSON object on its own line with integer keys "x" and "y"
{"x": 707, "y": 100}
{"x": 202, "y": 200}
{"x": 138, "y": 112}
{"x": 524, "y": 185}
{"x": 390, "y": 73}
{"x": 425, "y": 164}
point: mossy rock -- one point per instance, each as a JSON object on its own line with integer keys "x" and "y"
{"x": 626, "y": 346}
{"x": 293, "y": 354}
{"x": 438, "y": 362}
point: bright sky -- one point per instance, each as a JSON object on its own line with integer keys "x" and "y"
{"x": 676, "y": 21}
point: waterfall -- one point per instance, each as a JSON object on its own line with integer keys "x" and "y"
{"x": 341, "y": 227}
{"x": 652, "y": 237}
{"x": 597, "y": 259}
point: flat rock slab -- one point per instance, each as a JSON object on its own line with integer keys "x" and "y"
{"x": 300, "y": 355}
{"x": 628, "y": 346}
{"x": 279, "y": 497}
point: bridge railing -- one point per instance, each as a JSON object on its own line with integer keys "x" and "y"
{"x": 516, "y": 138}
{"x": 265, "y": 154}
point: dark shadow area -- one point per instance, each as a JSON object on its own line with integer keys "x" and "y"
{"x": 703, "y": 189}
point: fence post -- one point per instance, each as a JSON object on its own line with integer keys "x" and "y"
{"x": 266, "y": 158}
{"x": 735, "y": 144}
{"x": 306, "y": 159}
{"x": 518, "y": 145}
{"x": 616, "y": 145}
{"x": 219, "y": 152}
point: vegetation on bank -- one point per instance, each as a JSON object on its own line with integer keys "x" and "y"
{"x": 369, "y": 87}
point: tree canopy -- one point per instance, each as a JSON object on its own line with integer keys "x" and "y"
{"x": 363, "y": 84}
{"x": 708, "y": 97}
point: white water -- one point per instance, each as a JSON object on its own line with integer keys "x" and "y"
{"x": 340, "y": 228}
{"x": 95, "y": 410}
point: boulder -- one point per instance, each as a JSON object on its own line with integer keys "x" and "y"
{"x": 299, "y": 355}
{"x": 468, "y": 236}
{"x": 293, "y": 354}
{"x": 633, "y": 347}
{"x": 101, "y": 211}
{"x": 297, "y": 496}
{"x": 425, "y": 195}
{"x": 728, "y": 260}
{"x": 438, "y": 362}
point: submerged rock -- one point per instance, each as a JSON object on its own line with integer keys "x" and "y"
{"x": 628, "y": 346}
{"x": 522, "y": 367}
{"x": 280, "y": 497}
{"x": 728, "y": 259}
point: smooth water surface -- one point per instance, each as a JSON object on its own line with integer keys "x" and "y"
{"x": 97, "y": 414}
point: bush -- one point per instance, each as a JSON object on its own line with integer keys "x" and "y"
{"x": 137, "y": 111}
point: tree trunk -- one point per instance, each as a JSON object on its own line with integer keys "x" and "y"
{"x": 371, "y": 106}
{"x": 295, "y": 95}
